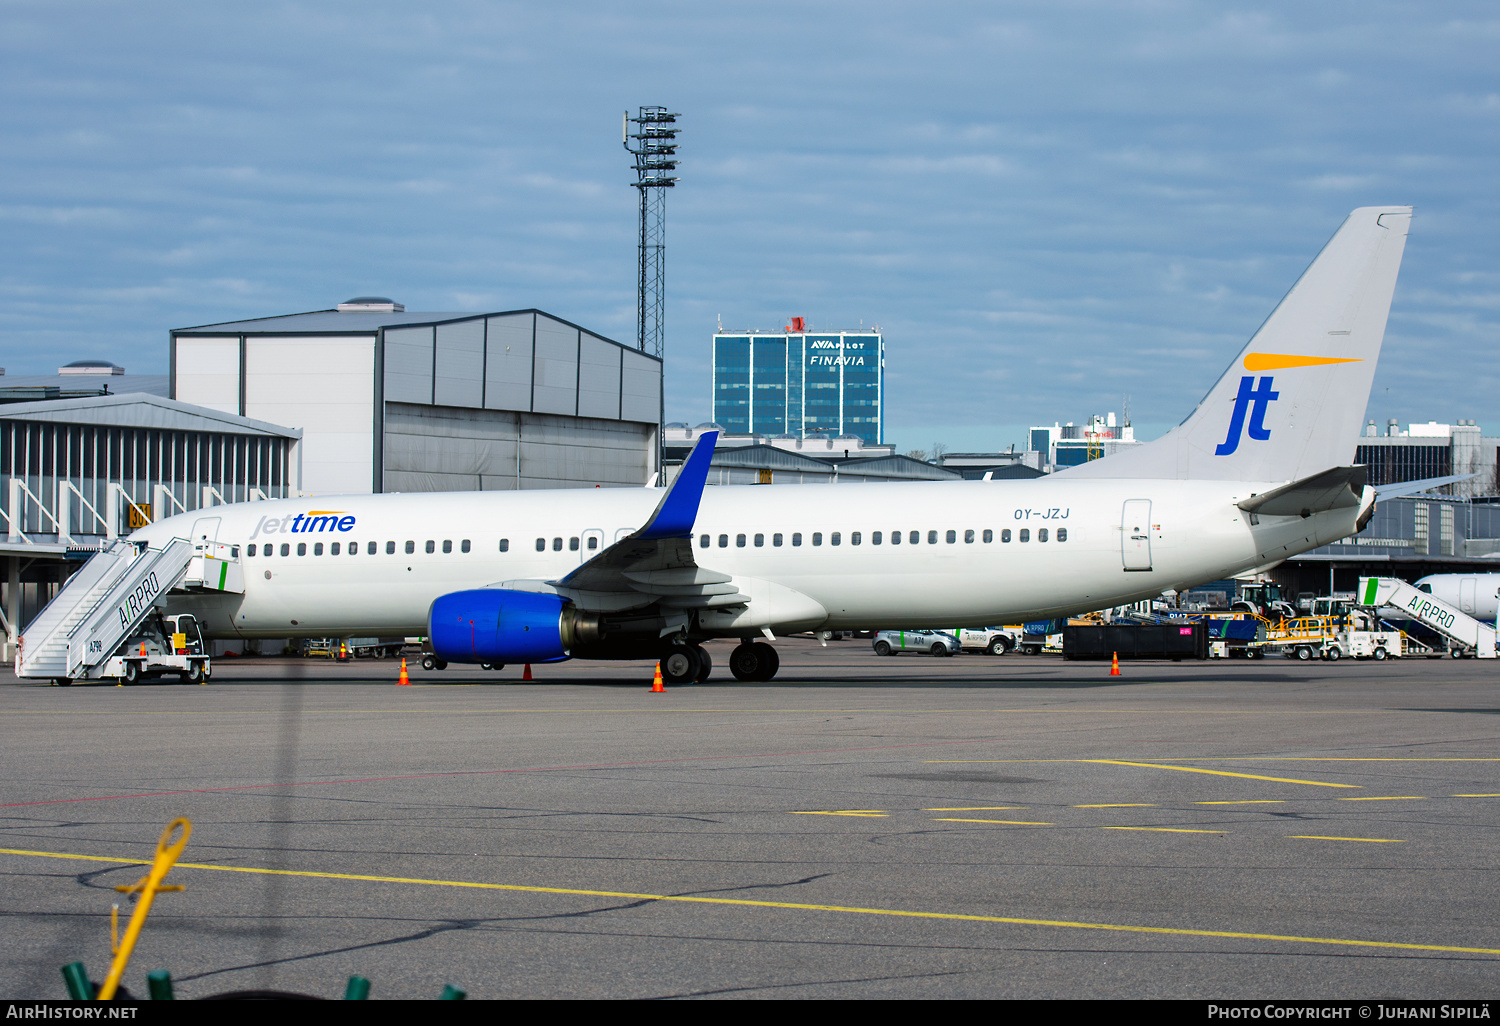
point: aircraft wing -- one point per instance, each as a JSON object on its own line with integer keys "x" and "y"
{"x": 655, "y": 562}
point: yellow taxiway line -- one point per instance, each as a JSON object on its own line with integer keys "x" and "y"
{"x": 1062, "y": 924}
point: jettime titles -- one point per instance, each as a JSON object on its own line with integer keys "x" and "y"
{"x": 311, "y": 522}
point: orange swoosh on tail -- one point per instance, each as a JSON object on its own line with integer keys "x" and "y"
{"x": 1281, "y": 361}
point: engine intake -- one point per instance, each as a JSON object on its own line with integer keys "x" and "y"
{"x": 496, "y": 625}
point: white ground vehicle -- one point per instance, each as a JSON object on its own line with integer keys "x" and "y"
{"x": 994, "y": 640}
{"x": 163, "y": 645}
{"x": 1366, "y": 644}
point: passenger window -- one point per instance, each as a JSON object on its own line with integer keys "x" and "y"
{"x": 302, "y": 548}
{"x": 895, "y": 537}
{"x": 286, "y": 550}
{"x": 504, "y": 544}
{"x": 373, "y": 548}
{"x": 252, "y": 550}
{"x": 915, "y": 537}
{"x": 318, "y": 549}
{"x": 739, "y": 541}
{"x": 1024, "y": 535}
{"x": 952, "y": 537}
{"x": 354, "y": 548}
{"x": 968, "y": 537}
{"x": 541, "y": 544}
{"x": 853, "y": 537}
{"x": 874, "y": 537}
{"x": 817, "y": 537}
{"x": 760, "y": 541}
{"x": 593, "y": 542}
{"x": 572, "y": 544}
{"x": 556, "y": 544}
{"x": 463, "y": 546}
{"x": 234, "y": 552}
{"x": 776, "y": 540}
{"x": 447, "y": 545}
{"x": 411, "y": 547}
{"x": 931, "y": 537}
{"x": 833, "y": 539}
{"x": 796, "y": 539}
{"x": 333, "y": 550}
{"x": 703, "y": 541}
{"x": 989, "y": 536}
{"x": 723, "y": 541}
{"x": 1041, "y": 534}
{"x": 1005, "y": 536}
{"x": 1062, "y": 534}
{"x": 431, "y": 546}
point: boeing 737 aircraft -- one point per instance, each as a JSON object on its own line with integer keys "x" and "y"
{"x": 1475, "y": 594}
{"x": 1258, "y": 472}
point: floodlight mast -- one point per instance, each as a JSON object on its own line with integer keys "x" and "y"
{"x": 654, "y": 146}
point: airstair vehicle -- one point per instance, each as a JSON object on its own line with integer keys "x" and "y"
{"x": 1466, "y": 635}
{"x": 101, "y": 606}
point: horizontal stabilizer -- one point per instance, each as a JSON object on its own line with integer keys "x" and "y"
{"x": 1396, "y": 490}
{"x": 1339, "y": 488}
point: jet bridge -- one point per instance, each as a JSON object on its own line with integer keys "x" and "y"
{"x": 100, "y": 606}
{"x": 1463, "y": 630}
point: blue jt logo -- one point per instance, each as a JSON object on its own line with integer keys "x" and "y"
{"x": 1259, "y": 396}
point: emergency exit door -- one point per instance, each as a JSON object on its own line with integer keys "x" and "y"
{"x": 1135, "y": 534}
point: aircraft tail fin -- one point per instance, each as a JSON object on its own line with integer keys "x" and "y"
{"x": 1291, "y": 404}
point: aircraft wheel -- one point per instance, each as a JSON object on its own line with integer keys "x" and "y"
{"x": 705, "y": 666}
{"x": 882, "y": 648}
{"x": 680, "y": 664}
{"x": 754, "y": 661}
{"x": 771, "y": 659}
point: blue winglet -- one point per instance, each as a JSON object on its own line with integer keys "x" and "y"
{"x": 678, "y": 509}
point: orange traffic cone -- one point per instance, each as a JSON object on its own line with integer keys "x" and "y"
{"x": 656, "y": 687}
{"x": 526, "y": 674}
{"x": 403, "y": 679}
{"x": 1114, "y": 665}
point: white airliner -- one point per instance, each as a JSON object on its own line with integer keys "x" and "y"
{"x": 1475, "y": 594}
{"x": 1258, "y": 472}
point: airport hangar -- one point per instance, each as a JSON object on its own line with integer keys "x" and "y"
{"x": 392, "y": 401}
{"x": 380, "y": 400}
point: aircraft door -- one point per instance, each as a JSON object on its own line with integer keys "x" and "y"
{"x": 1466, "y": 591}
{"x": 593, "y": 544}
{"x": 205, "y": 532}
{"x": 1135, "y": 534}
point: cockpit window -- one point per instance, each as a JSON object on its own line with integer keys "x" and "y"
{"x": 1425, "y": 588}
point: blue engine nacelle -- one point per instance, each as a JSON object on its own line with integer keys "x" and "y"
{"x": 494, "y": 625}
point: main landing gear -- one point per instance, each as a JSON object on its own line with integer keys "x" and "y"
{"x": 754, "y": 661}
{"x": 686, "y": 664}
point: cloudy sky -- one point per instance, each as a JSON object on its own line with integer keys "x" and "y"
{"x": 1048, "y": 207}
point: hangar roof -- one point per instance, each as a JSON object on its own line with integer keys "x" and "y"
{"x": 363, "y": 322}
{"x": 140, "y": 410}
